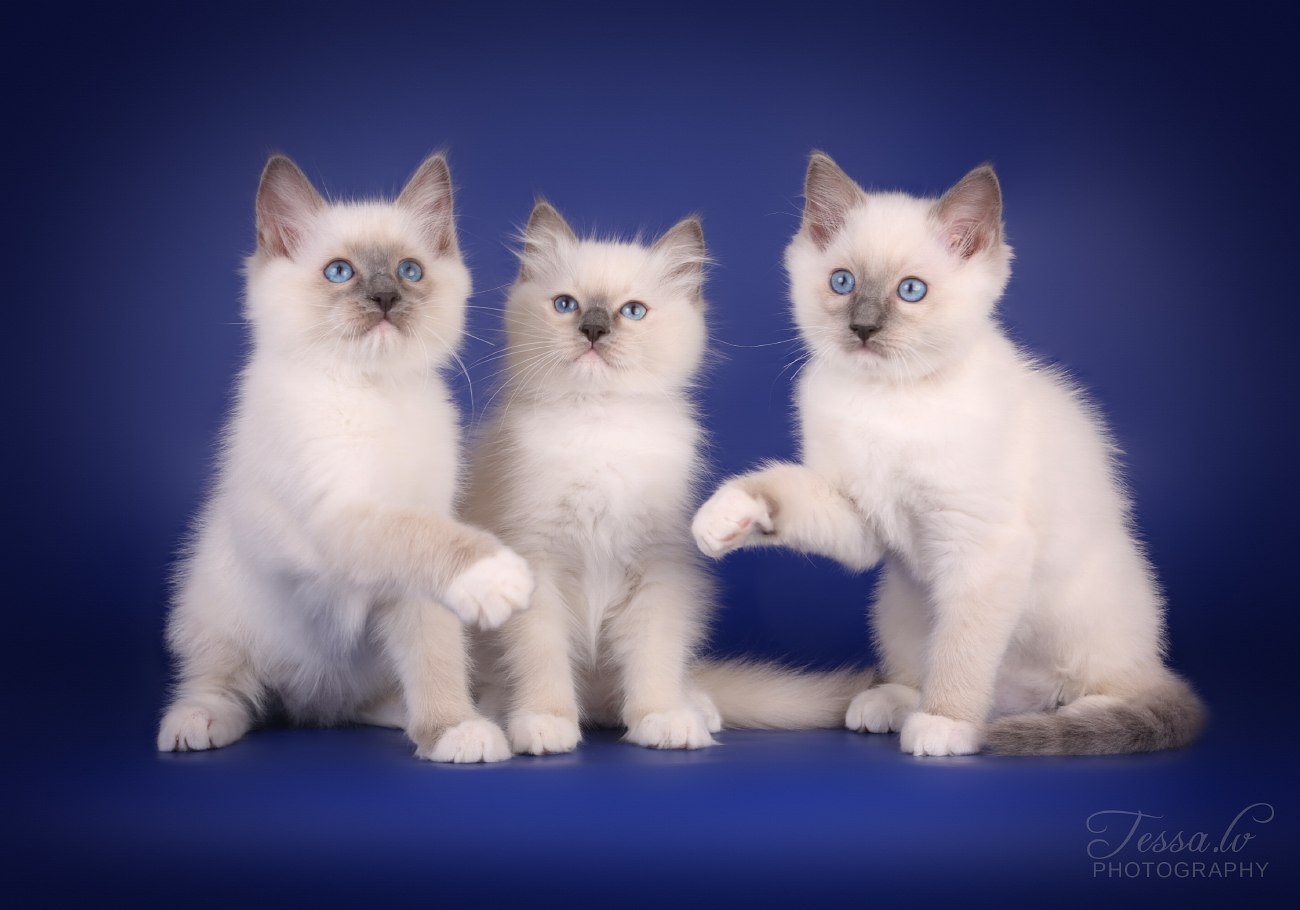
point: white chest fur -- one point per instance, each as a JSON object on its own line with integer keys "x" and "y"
{"x": 605, "y": 470}
{"x": 906, "y": 455}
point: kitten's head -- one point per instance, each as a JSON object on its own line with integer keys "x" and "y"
{"x": 893, "y": 285}
{"x": 374, "y": 285}
{"x": 594, "y": 316}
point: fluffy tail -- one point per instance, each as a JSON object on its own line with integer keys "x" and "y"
{"x": 1168, "y": 716}
{"x": 761, "y": 695}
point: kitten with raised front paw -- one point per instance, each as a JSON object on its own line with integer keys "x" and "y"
{"x": 1017, "y": 610}
{"x": 326, "y": 576}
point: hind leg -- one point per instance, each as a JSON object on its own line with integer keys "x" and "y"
{"x": 899, "y": 623}
{"x": 882, "y": 709}
{"x": 704, "y": 703}
{"x": 205, "y": 717}
{"x": 217, "y": 690}
{"x": 386, "y": 711}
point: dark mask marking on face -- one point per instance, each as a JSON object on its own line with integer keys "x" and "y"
{"x": 869, "y": 312}
{"x": 596, "y": 321}
{"x": 379, "y": 285}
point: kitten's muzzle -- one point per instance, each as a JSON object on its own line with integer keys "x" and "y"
{"x": 867, "y": 318}
{"x": 385, "y": 300}
{"x": 595, "y": 324}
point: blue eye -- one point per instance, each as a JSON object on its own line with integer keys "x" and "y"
{"x": 338, "y": 271}
{"x": 842, "y": 281}
{"x": 912, "y": 289}
{"x": 565, "y": 304}
{"x": 633, "y": 310}
{"x": 410, "y": 270}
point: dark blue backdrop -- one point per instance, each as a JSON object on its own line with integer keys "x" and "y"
{"x": 1147, "y": 159}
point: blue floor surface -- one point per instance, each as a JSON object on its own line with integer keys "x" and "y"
{"x": 346, "y": 817}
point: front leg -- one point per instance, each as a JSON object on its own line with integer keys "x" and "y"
{"x": 428, "y": 648}
{"x": 980, "y": 583}
{"x": 465, "y": 569}
{"x": 785, "y": 505}
{"x": 536, "y": 654}
{"x": 654, "y": 636}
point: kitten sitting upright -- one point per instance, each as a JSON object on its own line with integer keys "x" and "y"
{"x": 1017, "y": 609}
{"x": 589, "y": 470}
{"x": 317, "y": 567}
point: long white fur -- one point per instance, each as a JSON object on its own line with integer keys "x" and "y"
{"x": 1014, "y": 584}
{"x": 588, "y": 469}
{"x": 320, "y": 566}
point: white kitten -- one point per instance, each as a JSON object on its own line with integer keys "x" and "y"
{"x": 588, "y": 469}
{"x": 1014, "y": 587}
{"x": 313, "y": 580}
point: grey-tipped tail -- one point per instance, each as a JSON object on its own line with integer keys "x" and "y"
{"x": 1169, "y": 716}
{"x": 768, "y": 696}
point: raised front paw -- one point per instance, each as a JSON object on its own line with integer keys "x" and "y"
{"x": 474, "y": 740}
{"x": 683, "y": 728}
{"x": 934, "y": 734}
{"x": 728, "y": 520}
{"x": 490, "y": 590}
{"x": 882, "y": 709}
{"x": 543, "y": 734}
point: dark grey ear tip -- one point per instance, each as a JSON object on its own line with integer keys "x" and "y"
{"x": 432, "y": 169}
{"x": 546, "y": 220}
{"x": 690, "y": 230}
{"x": 542, "y": 211}
{"x": 984, "y": 172}
{"x": 278, "y": 162}
{"x": 436, "y": 162}
{"x": 819, "y": 162}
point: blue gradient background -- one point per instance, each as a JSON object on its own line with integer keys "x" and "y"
{"x": 1147, "y": 160}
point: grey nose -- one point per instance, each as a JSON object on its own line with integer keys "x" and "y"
{"x": 864, "y": 331}
{"x": 386, "y": 300}
{"x": 593, "y": 331}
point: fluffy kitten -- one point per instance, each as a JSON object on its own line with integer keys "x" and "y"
{"x": 1016, "y": 610}
{"x": 317, "y": 567}
{"x": 588, "y": 470}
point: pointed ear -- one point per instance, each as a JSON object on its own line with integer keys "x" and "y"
{"x": 970, "y": 214}
{"x": 428, "y": 196}
{"x": 830, "y": 194}
{"x": 286, "y": 204}
{"x": 546, "y": 230}
{"x": 683, "y": 246}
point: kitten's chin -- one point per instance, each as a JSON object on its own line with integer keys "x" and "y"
{"x": 384, "y": 334}
{"x": 383, "y": 340}
{"x": 869, "y": 354}
{"x": 592, "y": 359}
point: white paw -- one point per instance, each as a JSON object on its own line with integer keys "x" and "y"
{"x": 543, "y": 734}
{"x": 728, "y": 520}
{"x": 683, "y": 728}
{"x": 882, "y": 709}
{"x": 703, "y": 703}
{"x": 489, "y": 591}
{"x": 189, "y": 727}
{"x": 476, "y": 740}
{"x": 933, "y": 734}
